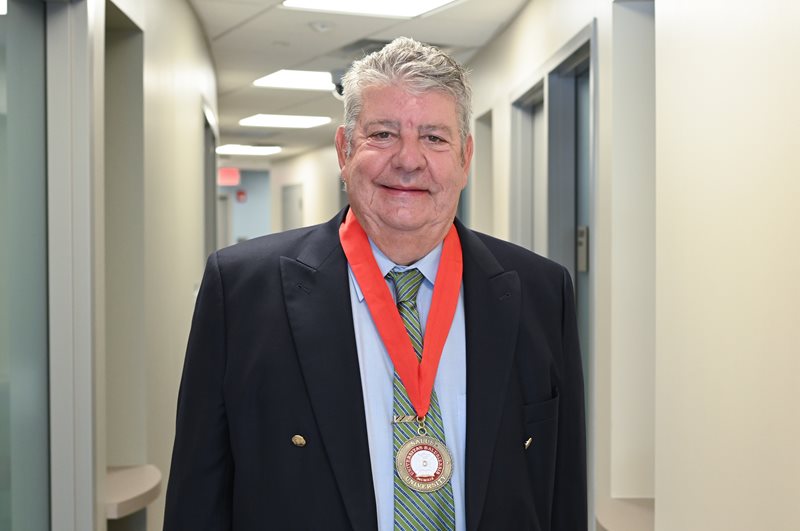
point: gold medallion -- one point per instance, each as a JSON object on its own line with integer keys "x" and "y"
{"x": 424, "y": 464}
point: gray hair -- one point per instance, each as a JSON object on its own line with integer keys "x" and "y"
{"x": 415, "y": 66}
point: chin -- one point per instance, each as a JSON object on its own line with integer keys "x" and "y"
{"x": 407, "y": 225}
{"x": 429, "y": 226}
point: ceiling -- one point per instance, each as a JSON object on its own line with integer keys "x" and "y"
{"x": 252, "y": 38}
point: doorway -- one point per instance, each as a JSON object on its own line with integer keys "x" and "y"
{"x": 583, "y": 208}
{"x": 292, "y": 206}
{"x": 210, "y": 190}
{"x": 529, "y": 205}
{"x": 553, "y": 180}
{"x": 479, "y": 194}
{"x": 552, "y": 184}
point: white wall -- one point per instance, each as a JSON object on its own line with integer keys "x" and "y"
{"x": 318, "y": 171}
{"x": 728, "y": 363}
{"x": 633, "y": 251}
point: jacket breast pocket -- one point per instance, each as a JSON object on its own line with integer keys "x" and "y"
{"x": 541, "y": 433}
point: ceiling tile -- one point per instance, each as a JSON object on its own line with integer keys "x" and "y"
{"x": 291, "y": 28}
{"x": 253, "y": 38}
{"x": 218, "y": 17}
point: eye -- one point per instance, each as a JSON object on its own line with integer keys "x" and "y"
{"x": 433, "y": 139}
{"x": 381, "y": 135}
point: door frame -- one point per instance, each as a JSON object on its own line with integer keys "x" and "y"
{"x": 554, "y": 83}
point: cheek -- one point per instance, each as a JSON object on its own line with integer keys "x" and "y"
{"x": 451, "y": 175}
{"x": 359, "y": 184}
{"x": 361, "y": 169}
{"x": 456, "y": 182}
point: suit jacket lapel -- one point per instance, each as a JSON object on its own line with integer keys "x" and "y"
{"x": 491, "y": 307}
{"x": 317, "y": 296}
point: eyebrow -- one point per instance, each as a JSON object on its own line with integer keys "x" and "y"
{"x": 429, "y": 128}
{"x": 434, "y": 128}
{"x": 385, "y": 123}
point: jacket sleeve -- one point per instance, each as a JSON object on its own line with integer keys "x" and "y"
{"x": 201, "y": 474}
{"x": 569, "y": 510}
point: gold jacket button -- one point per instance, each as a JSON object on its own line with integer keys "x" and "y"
{"x": 298, "y": 440}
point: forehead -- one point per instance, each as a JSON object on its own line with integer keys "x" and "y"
{"x": 401, "y": 104}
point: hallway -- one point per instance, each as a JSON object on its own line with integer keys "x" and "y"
{"x": 650, "y": 147}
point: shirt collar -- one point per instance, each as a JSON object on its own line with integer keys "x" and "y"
{"x": 428, "y": 265}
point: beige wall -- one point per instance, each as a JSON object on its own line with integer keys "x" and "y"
{"x": 728, "y": 363}
{"x": 508, "y": 63}
{"x": 318, "y": 172}
{"x": 179, "y": 84}
{"x": 632, "y": 425}
{"x": 125, "y": 376}
{"x": 513, "y": 62}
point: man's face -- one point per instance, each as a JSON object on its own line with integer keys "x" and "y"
{"x": 405, "y": 170}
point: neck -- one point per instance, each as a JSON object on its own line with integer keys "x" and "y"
{"x": 406, "y": 247}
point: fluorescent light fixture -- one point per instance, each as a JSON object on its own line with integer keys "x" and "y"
{"x": 374, "y": 8}
{"x": 255, "y": 151}
{"x": 297, "y": 79}
{"x": 3, "y": 7}
{"x": 284, "y": 120}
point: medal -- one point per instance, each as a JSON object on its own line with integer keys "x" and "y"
{"x": 423, "y": 463}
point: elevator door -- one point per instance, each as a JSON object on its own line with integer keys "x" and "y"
{"x": 583, "y": 278}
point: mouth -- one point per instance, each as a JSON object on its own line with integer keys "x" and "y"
{"x": 400, "y": 189}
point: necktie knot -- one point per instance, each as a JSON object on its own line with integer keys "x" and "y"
{"x": 406, "y": 284}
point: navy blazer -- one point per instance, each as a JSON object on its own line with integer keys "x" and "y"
{"x": 272, "y": 354}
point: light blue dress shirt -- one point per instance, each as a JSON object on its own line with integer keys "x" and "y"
{"x": 377, "y": 374}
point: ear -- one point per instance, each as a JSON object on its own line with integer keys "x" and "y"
{"x": 468, "y": 149}
{"x": 341, "y": 146}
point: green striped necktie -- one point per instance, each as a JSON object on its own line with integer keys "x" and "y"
{"x": 414, "y": 511}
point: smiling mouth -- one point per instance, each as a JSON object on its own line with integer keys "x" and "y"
{"x": 402, "y": 189}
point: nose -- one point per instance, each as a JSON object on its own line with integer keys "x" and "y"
{"x": 409, "y": 156}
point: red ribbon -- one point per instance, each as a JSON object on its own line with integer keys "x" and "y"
{"x": 417, "y": 377}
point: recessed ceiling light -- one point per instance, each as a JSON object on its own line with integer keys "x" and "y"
{"x": 239, "y": 149}
{"x": 395, "y": 9}
{"x": 297, "y": 79}
{"x": 284, "y": 120}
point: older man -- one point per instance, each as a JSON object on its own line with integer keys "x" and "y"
{"x": 389, "y": 369}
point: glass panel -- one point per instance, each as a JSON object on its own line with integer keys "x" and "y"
{"x": 24, "y": 464}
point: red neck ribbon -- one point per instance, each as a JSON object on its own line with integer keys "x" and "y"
{"x": 417, "y": 377}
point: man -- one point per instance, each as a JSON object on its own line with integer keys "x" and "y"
{"x": 304, "y": 403}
